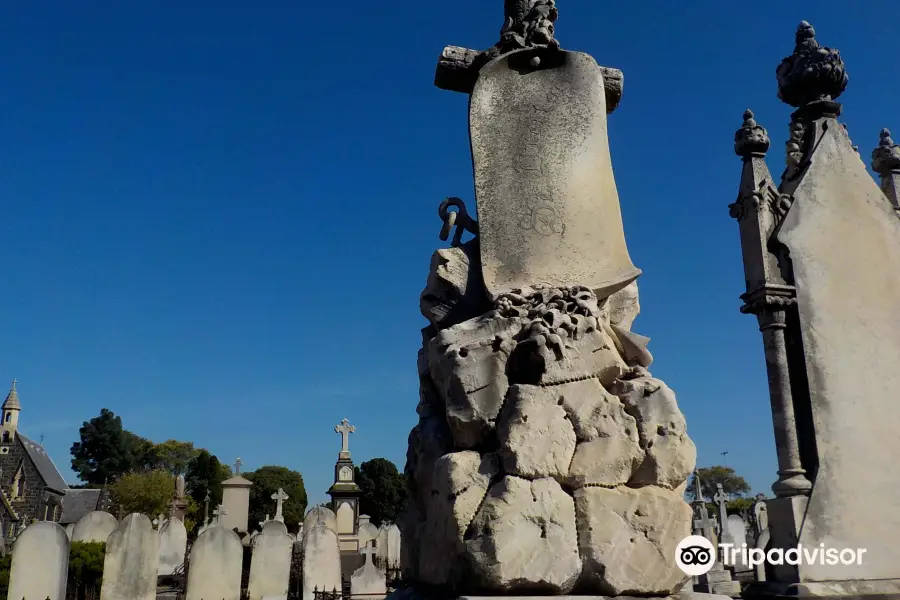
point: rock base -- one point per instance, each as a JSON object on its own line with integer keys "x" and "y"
{"x": 881, "y": 589}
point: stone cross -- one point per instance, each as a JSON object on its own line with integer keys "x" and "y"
{"x": 345, "y": 429}
{"x": 158, "y": 521}
{"x": 237, "y": 466}
{"x": 368, "y": 551}
{"x": 206, "y": 509}
{"x": 720, "y": 498}
{"x": 279, "y": 497}
{"x": 705, "y": 524}
{"x": 219, "y": 513}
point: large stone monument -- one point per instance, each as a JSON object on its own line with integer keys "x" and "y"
{"x": 546, "y": 459}
{"x": 344, "y": 492}
{"x": 821, "y": 254}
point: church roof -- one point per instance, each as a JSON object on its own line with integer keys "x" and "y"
{"x": 77, "y": 503}
{"x": 12, "y": 399}
{"x": 44, "y": 464}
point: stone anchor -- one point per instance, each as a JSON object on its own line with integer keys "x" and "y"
{"x": 546, "y": 459}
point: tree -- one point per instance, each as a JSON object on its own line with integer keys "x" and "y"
{"x": 172, "y": 456}
{"x": 204, "y": 473}
{"x": 266, "y": 481}
{"x": 85, "y": 567}
{"x": 143, "y": 492}
{"x": 106, "y": 450}
{"x": 733, "y": 484}
{"x": 383, "y": 490}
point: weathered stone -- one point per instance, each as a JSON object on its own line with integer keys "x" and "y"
{"x": 523, "y": 538}
{"x": 172, "y": 546}
{"x": 394, "y": 546}
{"x": 624, "y": 306}
{"x": 428, "y": 441}
{"x": 593, "y": 411}
{"x": 460, "y": 481}
{"x": 40, "y": 563}
{"x": 548, "y": 209}
{"x": 94, "y": 527}
{"x": 593, "y": 355}
{"x": 670, "y": 453}
{"x": 468, "y": 367}
{"x": 321, "y": 561}
{"x": 365, "y": 531}
{"x": 320, "y": 515}
{"x": 131, "y": 563}
{"x": 454, "y": 292}
{"x": 627, "y": 539}
{"x": 535, "y": 436}
{"x": 216, "y": 560}
{"x": 368, "y": 581}
{"x": 270, "y": 565}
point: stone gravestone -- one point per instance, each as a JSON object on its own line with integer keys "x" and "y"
{"x": 737, "y": 531}
{"x": 40, "y": 563}
{"x": 319, "y": 515}
{"x": 279, "y": 497}
{"x": 381, "y": 543}
{"x": 321, "y": 561}
{"x": 70, "y": 529}
{"x": 366, "y": 532}
{"x": 270, "y": 565}
{"x": 215, "y": 568}
{"x": 822, "y": 269}
{"x": 131, "y": 563}
{"x": 94, "y": 527}
{"x": 520, "y": 320}
{"x": 393, "y": 546}
{"x": 172, "y": 546}
{"x": 368, "y": 581}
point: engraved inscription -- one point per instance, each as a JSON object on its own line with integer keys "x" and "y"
{"x": 543, "y": 219}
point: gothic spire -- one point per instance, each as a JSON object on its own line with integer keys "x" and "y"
{"x": 751, "y": 139}
{"x": 12, "y": 399}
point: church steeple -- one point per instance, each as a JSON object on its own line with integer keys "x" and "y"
{"x": 10, "y": 410}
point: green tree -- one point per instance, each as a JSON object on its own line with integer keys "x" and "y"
{"x": 204, "y": 474}
{"x": 266, "y": 481}
{"x": 383, "y": 490}
{"x": 172, "y": 456}
{"x": 147, "y": 492}
{"x": 106, "y": 451}
{"x": 733, "y": 484}
{"x": 85, "y": 567}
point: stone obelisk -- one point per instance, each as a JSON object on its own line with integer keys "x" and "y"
{"x": 546, "y": 457}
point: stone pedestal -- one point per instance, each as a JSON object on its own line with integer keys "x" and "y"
{"x": 719, "y": 581}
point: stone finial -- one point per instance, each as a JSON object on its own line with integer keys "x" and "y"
{"x": 528, "y": 23}
{"x": 751, "y": 139}
{"x": 812, "y": 73}
{"x": 886, "y": 157}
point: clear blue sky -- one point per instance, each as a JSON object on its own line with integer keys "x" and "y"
{"x": 217, "y": 217}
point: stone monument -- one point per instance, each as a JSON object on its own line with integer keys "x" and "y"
{"x": 344, "y": 492}
{"x": 547, "y": 459}
{"x": 821, "y": 253}
{"x": 235, "y": 501}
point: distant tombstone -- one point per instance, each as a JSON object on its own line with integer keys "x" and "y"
{"x": 737, "y": 532}
{"x": 94, "y": 527}
{"x": 368, "y": 581}
{"x": 394, "y": 542}
{"x": 366, "y": 532}
{"x": 762, "y": 543}
{"x": 216, "y": 563}
{"x": 40, "y": 563}
{"x": 321, "y": 561}
{"x": 320, "y": 515}
{"x": 381, "y": 544}
{"x": 69, "y": 529}
{"x": 172, "y": 546}
{"x": 270, "y": 565}
{"x": 761, "y": 516}
{"x": 132, "y": 561}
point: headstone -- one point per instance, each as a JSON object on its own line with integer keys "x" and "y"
{"x": 319, "y": 515}
{"x": 270, "y": 565}
{"x": 737, "y": 531}
{"x": 381, "y": 543}
{"x": 70, "y": 528}
{"x": 366, "y": 532}
{"x": 279, "y": 497}
{"x": 761, "y": 517}
{"x": 236, "y": 503}
{"x": 321, "y": 561}
{"x": 394, "y": 549}
{"x": 368, "y": 581}
{"x": 215, "y": 567}
{"x": 94, "y": 527}
{"x": 131, "y": 563}
{"x": 40, "y": 563}
{"x": 172, "y": 546}
{"x": 721, "y": 499}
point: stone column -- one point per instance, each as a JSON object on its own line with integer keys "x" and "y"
{"x": 792, "y": 479}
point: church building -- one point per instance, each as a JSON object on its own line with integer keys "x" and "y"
{"x": 31, "y": 487}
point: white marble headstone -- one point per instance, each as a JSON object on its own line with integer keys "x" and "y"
{"x": 94, "y": 527}
{"x": 737, "y": 532}
{"x": 132, "y": 561}
{"x": 270, "y": 565}
{"x": 368, "y": 581}
{"x": 216, "y": 563}
{"x": 172, "y": 546}
{"x": 321, "y": 561}
{"x": 40, "y": 563}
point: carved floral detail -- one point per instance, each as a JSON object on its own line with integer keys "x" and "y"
{"x": 529, "y": 24}
{"x": 886, "y": 157}
{"x": 795, "y": 146}
{"x": 751, "y": 138}
{"x": 767, "y": 302}
{"x": 812, "y": 73}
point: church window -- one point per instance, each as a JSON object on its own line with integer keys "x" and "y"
{"x": 5, "y": 437}
{"x": 8, "y": 417}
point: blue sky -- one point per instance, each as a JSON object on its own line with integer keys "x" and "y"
{"x": 217, "y": 217}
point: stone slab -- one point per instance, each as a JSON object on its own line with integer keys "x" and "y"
{"x": 885, "y": 589}
{"x": 547, "y": 203}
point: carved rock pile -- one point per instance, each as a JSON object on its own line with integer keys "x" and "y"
{"x": 546, "y": 459}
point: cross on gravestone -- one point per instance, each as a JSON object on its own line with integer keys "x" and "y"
{"x": 158, "y": 521}
{"x": 279, "y": 497}
{"x": 219, "y": 513}
{"x": 720, "y": 499}
{"x": 705, "y": 524}
{"x": 345, "y": 429}
{"x": 237, "y": 465}
{"x": 369, "y": 551}
{"x": 206, "y": 509}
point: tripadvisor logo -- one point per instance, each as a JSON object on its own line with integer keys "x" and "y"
{"x": 695, "y": 555}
